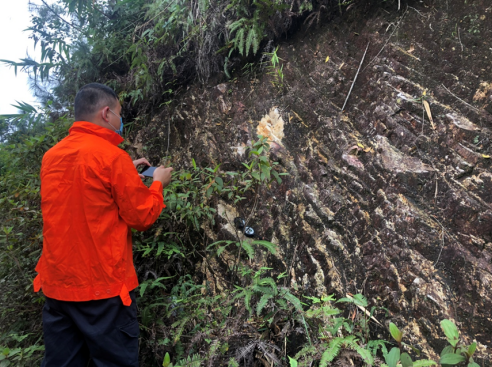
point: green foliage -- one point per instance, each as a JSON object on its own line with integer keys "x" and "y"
{"x": 456, "y": 353}
{"x": 275, "y": 69}
{"x": 395, "y": 332}
{"x": 27, "y": 137}
{"x": 451, "y": 332}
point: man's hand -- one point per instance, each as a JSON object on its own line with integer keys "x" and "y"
{"x": 163, "y": 174}
{"x": 139, "y": 162}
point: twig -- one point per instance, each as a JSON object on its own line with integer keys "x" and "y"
{"x": 391, "y": 35}
{"x": 442, "y": 245}
{"x": 361, "y": 62}
{"x": 458, "y": 98}
{"x": 459, "y": 38}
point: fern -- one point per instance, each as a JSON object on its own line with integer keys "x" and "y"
{"x": 263, "y": 290}
{"x": 364, "y": 353}
{"x": 307, "y": 351}
{"x": 214, "y": 346}
{"x": 232, "y": 363}
{"x": 239, "y": 41}
{"x": 247, "y": 300}
{"x": 249, "y": 40}
{"x": 181, "y": 325}
{"x": 268, "y": 245}
{"x": 282, "y": 303}
{"x": 374, "y": 345}
{"x": 192, "y": 361}
{"x": 331, "y": 352}
{"x": 248, "y": 249}
{"x": 263, "y": 301}
{"x": 292, "y": 299}
{"x": 237, "y": 24}
{"x": 269, "y": 281}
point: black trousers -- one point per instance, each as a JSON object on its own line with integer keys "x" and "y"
{"x": 102, "y": 333}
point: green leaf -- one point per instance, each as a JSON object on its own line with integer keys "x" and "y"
{"x": 451, "y": 332}
{"x": 143, "y": 287}
{"x": 424, "y": 363}
{"x": 395, "y": 332}
{"x": 292, "y": 362}
{"x": 471, "y": 349}
{"x": 167, "y": 360}
{"x": 219, "y": 181}
{"x": 473, "y": 364}
{"x": 452, "y": 359}
{"x": 277, "y": 177}
{"x": 448, "y": 349}
{"x": 406, "y": 361}
{"x": 393, "y": 357}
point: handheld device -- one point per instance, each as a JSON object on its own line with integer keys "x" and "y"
{"x": 148, "y": 171}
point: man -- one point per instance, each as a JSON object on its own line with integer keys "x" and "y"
{"x": 91, "y": 197}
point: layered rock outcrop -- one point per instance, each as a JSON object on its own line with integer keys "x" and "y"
{"x": 386, "y": 198}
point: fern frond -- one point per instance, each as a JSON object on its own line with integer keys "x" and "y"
{"x": 269, "y": 281}
{"x": 193, "y": 361}
{"x": 263, "y": 290}
{"x": 292, "y": 299}
{"x": 331, "y": 352}
{"x": 247, "y": 300}
{"x": 282, "y": 303}
{"x": 266, "y": 244}
{"x": 214, "y": 346}
{"x": 237, "y": 24}
{"x": 308, "y": 350}
{"x": 249, "y": 39}
{"x": 245, "y": 245}
{"x": 263, "y": 301}
{"x": 364, "y": 353}
{"x": 374, "y": 345}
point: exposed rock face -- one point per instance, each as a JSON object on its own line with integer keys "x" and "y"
{"x": 377, "y": 200}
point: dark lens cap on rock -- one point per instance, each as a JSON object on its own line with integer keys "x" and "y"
{"x": 249, "y": 232}
{"x": 239, "y": 222}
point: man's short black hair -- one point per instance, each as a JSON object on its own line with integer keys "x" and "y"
{"x": 91, "y": 98}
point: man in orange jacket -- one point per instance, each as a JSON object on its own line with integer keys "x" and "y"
{"x": 91, "y": 198}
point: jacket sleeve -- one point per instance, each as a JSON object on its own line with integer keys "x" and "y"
{"x": 138, "y": 205}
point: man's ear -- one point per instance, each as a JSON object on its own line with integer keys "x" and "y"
{"x": 104, "y": 113}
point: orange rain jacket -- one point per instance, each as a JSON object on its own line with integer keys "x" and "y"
{"x": 91, "y": 197}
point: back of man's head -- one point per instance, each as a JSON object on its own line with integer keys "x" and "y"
{"x": 91, "y": 98}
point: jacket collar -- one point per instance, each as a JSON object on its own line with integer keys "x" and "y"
{"x": 90, "y": 128}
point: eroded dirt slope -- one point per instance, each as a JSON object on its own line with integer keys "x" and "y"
{"x": 379, "y": 200}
